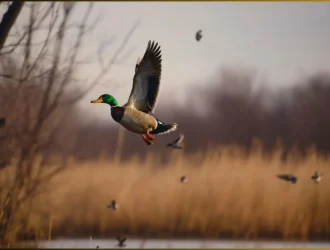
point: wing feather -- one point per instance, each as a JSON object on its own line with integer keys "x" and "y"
{"x": 175, "y": 141}
{"x": 181, "y": 138}
{"x": 146, "y": 81}
{"x": 178, "y": 140}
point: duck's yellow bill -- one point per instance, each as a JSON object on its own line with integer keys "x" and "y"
{"x": 97, "y": 101}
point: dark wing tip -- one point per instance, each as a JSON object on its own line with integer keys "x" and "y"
{"x": 175, "y": 141}
{"x": 154, "y": 47}
{"x": 282, "y": 176}
{"x": 151, "y": 68}
{"x": 153, "y": 54}
{"x": 287, "y": 177}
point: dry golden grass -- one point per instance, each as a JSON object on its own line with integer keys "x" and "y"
{"x": 229, "y": 194}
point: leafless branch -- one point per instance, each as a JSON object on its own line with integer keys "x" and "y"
{"x": 9, "y": 19}
{"x": 34, "y": 83}
{"x": 108, "y": 67}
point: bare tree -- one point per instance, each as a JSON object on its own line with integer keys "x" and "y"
{"x": 9, "y": 19}
{"x": 37, "y": 92}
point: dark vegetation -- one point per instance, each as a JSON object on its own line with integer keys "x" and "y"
{"x": 236, "y": 112}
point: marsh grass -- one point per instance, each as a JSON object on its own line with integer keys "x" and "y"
{"x": 230, "y": 194}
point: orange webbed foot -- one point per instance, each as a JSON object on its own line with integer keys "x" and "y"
{"x": 146, "y": 140}
{"x": 151, "y": 137}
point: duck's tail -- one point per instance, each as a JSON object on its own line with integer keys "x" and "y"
{"x": 163, "y": 128}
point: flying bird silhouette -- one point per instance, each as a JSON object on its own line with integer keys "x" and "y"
{"x": 121, "y": 241}
{"x": 317, "y": 177}
{"x": 113, "y": 205}
{"x": 184, "y": 179}
{"x": 177, "y": 144}
{"x": 198, "y": 35}
{"x": 288, "y": 177}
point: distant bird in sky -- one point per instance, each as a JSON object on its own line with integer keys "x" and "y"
{"x": 184, "y": 179}
{"x": 317, "y": 177}
{"x": 113, "y": 205}
{"x": 177, "y": 144}
{"x": 121, "y": 241}
{"x": 199, "y": 35}
{"x": 288, "y": 177}
{"x": 137, "y": 114}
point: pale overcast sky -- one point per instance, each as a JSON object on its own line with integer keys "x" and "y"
{"x": 282, "y": 39}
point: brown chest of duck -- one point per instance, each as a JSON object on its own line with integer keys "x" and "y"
{"x": 117, "y": 113}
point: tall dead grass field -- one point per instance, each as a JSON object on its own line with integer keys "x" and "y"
{"x": 229, "y": 194}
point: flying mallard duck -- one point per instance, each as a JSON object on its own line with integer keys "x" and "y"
{"x": 121, "y": 241}
{"x": 288, "y": 177}
{"x": 198, "y": 35}
{"x": 113, "y": 205}
{"x": 137, "y": 114}
{"x": 177, "y": 143}
{"x": 317, "y": 177}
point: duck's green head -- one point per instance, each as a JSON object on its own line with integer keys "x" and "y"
{"x": 108, "y": 99}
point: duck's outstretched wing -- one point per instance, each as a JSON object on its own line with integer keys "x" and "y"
{"x": 121, "y": 240}
{"x": 178, "y": 140}
{"x": 146, "y": 80}
{"x": 287, "y": 177}
{"x": 284, "y": 176}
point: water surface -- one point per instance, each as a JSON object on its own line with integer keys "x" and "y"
{"x": 138, "y": 243}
